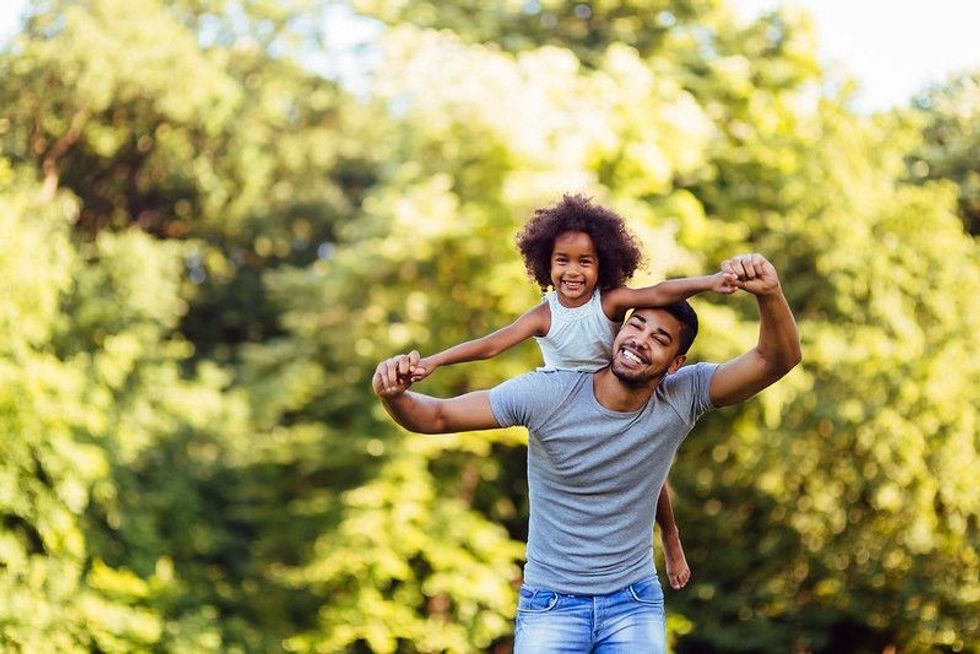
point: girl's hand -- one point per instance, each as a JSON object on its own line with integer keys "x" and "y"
{"x": 423, "y": 369}
{"x": 724, "y": 282}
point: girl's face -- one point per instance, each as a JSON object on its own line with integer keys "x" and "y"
{"x": 574, "y": 268}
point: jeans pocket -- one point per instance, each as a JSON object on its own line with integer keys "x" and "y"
{"x": 647, "y": 591}
{"x": 536, "y": 600}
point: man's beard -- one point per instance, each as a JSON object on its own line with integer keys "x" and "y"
{"x": 639, "y": 379}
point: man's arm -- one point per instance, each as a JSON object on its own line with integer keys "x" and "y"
{"x": 424, "y": 414}
{"x": 778, "y": 349}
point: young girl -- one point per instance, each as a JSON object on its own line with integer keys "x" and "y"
{"x": 586, "y": 253}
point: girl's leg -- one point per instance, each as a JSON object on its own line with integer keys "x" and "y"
{"x": 678, "y": 572}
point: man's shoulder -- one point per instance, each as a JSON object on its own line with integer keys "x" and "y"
{"x": 687, "y": 379}
{"x": 687, "y": 390}
{"x": 698, "y": 368}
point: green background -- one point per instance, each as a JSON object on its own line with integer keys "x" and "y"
{"x": 207, "y": 243}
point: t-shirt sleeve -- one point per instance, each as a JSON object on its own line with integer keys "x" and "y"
{"x": 689, "y": 390}
{"x": 521, "y": 400}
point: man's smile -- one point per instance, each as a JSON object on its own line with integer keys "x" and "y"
{"x": 631, "y": 355}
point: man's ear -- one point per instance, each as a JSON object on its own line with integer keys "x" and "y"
{"x": 676, "y": 363}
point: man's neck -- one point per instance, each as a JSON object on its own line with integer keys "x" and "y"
{"x": 614, "y": 395}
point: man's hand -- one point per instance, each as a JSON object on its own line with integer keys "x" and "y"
{"x": 421, "y": 413}
{"x": 394, "y": 376}
{"x": 754, "y": 272}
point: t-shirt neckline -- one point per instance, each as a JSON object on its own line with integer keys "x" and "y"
{"x": 611, "y": 412}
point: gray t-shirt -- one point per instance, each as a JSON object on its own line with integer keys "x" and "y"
{"x": 594, "y": 475}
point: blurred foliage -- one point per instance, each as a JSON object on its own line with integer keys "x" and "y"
{"x": 209, "y": 245}
{"x": 951, "y": 144}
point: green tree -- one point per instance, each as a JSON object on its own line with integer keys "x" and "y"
{"x": 837, "y": 518}
{"x": 781, "y": 176}
{"x": 951, "y": 145}
{"x": 61, "y": 593}
{"x": 588, "y": 30}
{"x": 189, "y": 120}
{"x": 210, "y": 247}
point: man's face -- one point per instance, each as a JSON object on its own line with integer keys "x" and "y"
{"x": 645, "y": 349}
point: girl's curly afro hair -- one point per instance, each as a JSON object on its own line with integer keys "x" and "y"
{"x": 619, "y": 255}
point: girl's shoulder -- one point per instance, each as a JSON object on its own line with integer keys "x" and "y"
{"x": 540, "y": 317}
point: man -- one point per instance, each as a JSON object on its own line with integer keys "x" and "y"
{"x": 599, "y": 450}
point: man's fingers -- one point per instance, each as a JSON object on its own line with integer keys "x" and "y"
{"x": 764, "y": 270}
{"x": 391, "y": 373}
{"x": 395, "y": 375}
{"x": 379, "y": 382}
{"x": 747, "y": 266}
{"x": 387, "y": 375}
{"x": 737, "y": 267}
{"x": 755, "y": 272}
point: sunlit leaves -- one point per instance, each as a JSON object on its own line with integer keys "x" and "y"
{"x": 192, "y": 458}
{"x": 951, "y": 113}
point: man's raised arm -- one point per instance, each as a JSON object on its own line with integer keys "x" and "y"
{"x": 778, "y": 349}
{"x": 424, "y": 414}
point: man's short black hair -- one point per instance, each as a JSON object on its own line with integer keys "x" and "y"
{"x": 688, "y": 318}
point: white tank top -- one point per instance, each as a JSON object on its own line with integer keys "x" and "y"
{"x": 579, "y": 338}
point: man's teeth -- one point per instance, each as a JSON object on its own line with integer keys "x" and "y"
{"x": 632, "y": 357}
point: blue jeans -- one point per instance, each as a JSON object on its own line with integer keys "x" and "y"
{"x": 629, "y": 621}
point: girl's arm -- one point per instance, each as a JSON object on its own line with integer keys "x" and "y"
{"x": 424, "y": 414}
{"x": 617, "y": 301}
{"x": 534, "y": 322}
